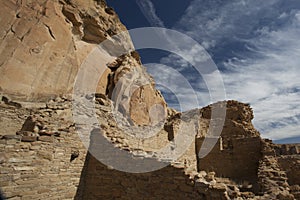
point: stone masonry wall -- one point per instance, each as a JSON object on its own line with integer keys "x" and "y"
{"x": 291, "y": 165}
{"x": 238, "y": 162}
{"x": 44, "y": 159}
{"x": 41, "y": 170}
{"x": 238, "y": 151}
{"x": 100, "y": 182}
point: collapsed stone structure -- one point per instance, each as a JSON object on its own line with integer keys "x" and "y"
{"x": 46, "y": 159}
{"x": 43, "y": 156}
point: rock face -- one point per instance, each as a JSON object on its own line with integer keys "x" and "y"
{"x": 43, "y": 148}
{"x": 43, "y": 43}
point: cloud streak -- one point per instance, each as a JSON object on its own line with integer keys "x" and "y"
{"x": 256, "y": 45}
{"x": 149, "y": 12}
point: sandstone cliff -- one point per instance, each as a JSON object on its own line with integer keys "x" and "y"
{"x": 44, "y": 44}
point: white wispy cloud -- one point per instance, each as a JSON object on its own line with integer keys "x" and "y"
{"x": 178, "y": 89}
{"x": 149, "y": 12}
{"x": 260, "y": 41}
{"x": 271, "y": 82}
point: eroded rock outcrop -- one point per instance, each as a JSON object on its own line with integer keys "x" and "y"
{"x": 43, "y": 44}
{"x": 43, "y": 47}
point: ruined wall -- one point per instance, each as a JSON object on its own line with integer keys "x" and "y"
{"x": 238, "y": 151}
{"x": 41, "y": 170}
{"x": 45, "y": 158}
{"x": 272, "y": 179}
{"x": 226, "y": 173}
{"x": 291, "y": 165}
{"x": 239, "y": 161}
{"x": 100, "y": 182}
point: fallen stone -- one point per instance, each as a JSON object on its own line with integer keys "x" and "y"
{"x": 3, "y": 157}
{"x": 285, "y": 195}
{"x": 24, "y": 168}
{"x": 49, "y": 133}
{"x": 210, "y": 176}
{"x": 7, "y": 101}
{"x": 11, "y": 137}
{"x": 25, "y": 133}
{"x": 29, "y": 138}
{"x": 46, "y": 139}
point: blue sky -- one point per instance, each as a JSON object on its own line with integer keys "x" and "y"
{"x": 255, "y": 44}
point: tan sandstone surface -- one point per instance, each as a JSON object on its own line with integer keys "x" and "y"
{"x": 44, "y": 147}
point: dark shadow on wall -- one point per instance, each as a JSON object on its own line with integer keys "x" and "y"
{"x": 234, "y": 158}
{"x": 98, "y": 181}
{"x": 1, "y": 195}
{"x": 80, "y": 189}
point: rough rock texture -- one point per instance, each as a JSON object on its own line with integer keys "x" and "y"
{"x": 284, "y": 164}
{"x": 238, "y": 150}
{"x": 43, "y": 43}
{"x": 46, "y": 158}
{"x": 134, "y": 91}
{"x": 36, "y": 161}
{"x": 43, "y": 148}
